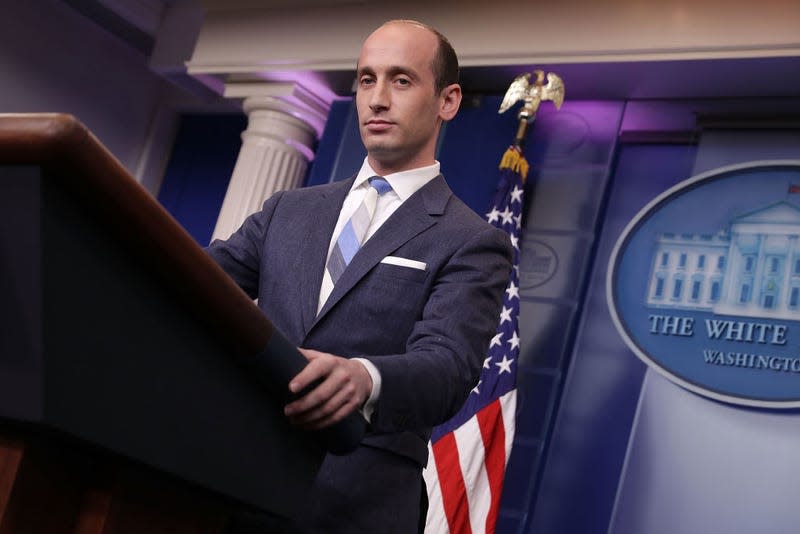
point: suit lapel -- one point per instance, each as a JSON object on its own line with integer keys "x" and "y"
{"x": 323, "y": 212}
{"x": 415, "y": 215}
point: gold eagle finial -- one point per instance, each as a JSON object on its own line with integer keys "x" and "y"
{"x": 532, "y": 94}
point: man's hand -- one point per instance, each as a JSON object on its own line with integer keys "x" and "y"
{"x": 344, "y": 386}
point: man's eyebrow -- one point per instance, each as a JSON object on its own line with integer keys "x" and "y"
{"x": 411, "y": 73}
{"x": 392, "y": 70}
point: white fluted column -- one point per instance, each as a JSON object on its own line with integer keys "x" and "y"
{"x": 284, "y": 122}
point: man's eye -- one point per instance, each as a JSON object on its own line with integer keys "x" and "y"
{"x": 402, "y": 81}
{"x": 366, "y": 81}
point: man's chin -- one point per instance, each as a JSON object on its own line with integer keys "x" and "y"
{"x": 381, "y": 150}
{"x": 385, "y": 161}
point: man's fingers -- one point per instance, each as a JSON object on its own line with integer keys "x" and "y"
{"x": 316, "y": 369}
{"x": 311, "y": 354}
{"x": 318, "y": 396}
{"x": 332, "y": 411}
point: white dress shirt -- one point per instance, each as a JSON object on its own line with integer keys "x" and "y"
{"x": 404, "y": 184}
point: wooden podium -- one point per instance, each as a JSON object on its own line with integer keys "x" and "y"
{"x": 127, "y": 402}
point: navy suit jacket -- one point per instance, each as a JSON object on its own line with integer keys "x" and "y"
{"x": 426, "y": 331}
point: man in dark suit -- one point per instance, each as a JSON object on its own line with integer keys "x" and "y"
{"x": 400, "y": 330}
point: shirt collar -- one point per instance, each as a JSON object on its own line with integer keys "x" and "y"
{"x": 404, "y": 183}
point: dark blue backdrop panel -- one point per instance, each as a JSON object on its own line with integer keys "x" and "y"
{"x": 471, "y": 147}
{"x": 340, "y": 151}
{"x": 596, "y": 409}
{"x": 197, "y": 175}
{"x": 570, "y": 152}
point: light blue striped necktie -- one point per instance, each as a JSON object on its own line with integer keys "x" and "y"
{"x": 355, "y": 230}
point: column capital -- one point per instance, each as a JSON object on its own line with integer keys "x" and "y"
{"x": 290, "y": 98}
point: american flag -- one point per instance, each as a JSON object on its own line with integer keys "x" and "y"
{"x": 468, "y": 454}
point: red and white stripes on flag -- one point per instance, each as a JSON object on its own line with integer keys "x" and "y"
{"x": 468, "y": 454}
{"x": 463, "y": 462}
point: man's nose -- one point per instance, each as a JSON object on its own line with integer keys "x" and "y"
{"x": 379, "y": 96}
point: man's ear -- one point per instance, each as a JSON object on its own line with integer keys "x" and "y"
{"x": 451, "y": 100}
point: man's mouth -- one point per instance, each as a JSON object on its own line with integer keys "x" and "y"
{"x": 378, "y": 125}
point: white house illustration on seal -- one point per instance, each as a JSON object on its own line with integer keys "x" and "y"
{"x": 750, "y": 269}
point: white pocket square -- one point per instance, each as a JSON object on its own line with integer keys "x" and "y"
{"x": 405, "y": 262}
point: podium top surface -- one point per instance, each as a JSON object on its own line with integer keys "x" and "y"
{"x": 55, "y": 140}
